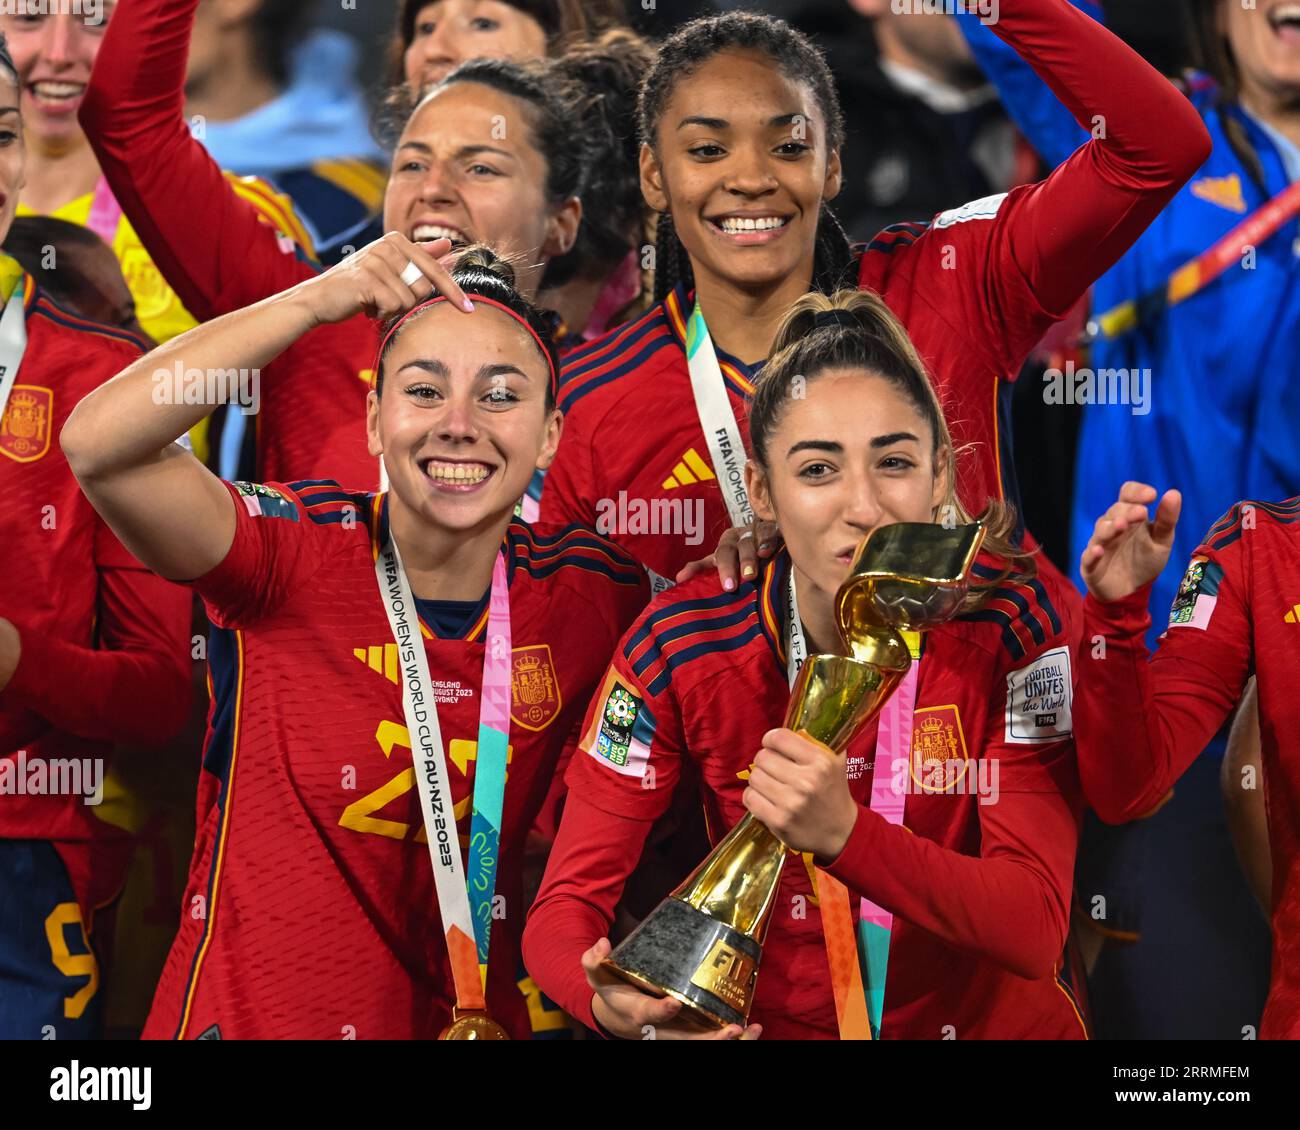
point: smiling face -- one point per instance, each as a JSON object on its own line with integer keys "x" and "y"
{"x": 462, "y": 423}
{"x": 452, "y": 31}
{"x": 54, "y": 55}
{"x": 466, "y": 169}
{"x": 13, "y": 151}
{"x": 853, "y": 454}
{"x": 1265, "y": 42}
{"x": 741, "y": 161}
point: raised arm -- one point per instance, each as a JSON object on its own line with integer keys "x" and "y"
{"x": 167, "y": 508}
{"x": 1142, "y": 719}
{"x": 1146, "y": 141}
{"x": 210, "y": 243}
{"x": 1049, "y": 127}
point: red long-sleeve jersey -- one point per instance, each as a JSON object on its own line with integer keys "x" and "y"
{"x": 1142, "y": 720}
{"x": 976, "y": 288}
{"x": 104, "y": 643}
{"x": 214, "y": 249}
{"x": 319, "y": 917}
{"x": 980, "y": 891}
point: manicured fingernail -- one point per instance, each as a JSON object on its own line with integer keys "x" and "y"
{"x": 728, "y": 584}
{"x": 747, "y": 571}
{"x": 467, "y": 306}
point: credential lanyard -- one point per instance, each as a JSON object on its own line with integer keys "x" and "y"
{"x": 1198, "y": 273}
{"x": 859, "y": 1004}
{"x": 721, "y": 432}
{"x": 466, "y": 907}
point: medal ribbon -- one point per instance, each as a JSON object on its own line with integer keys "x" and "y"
{"x": 859, "y": 1004}
{"x": 893, "y": 747}
{"x": 1198, "y": 273}
{"x": 490, "y": 764}
{"x": 466, "y": 946}
{"x": 13, "y": 327}
{"x": 721, "y": 432}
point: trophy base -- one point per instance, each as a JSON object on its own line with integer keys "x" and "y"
{"x": 681, "y": 952}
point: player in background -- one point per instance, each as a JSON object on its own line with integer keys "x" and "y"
{"x": 848, "y": 436}
{"x": 1143, "y": 718}
{"x": 94, "y": 649}
{"x": 54, "y": 53}
{"x": 312, "y": 860}
{"x": 273, "y": 97}
{"x": 430, "y": 40}
{"x": 493, "y": 154}
{"x": 741, "y": 131}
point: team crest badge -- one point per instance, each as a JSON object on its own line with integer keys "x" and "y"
{"x": 25, "y": 429}
{"x": 534, "y": 689}
{"x": 939, "y": 757}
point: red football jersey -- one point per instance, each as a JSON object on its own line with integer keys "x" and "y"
{"x": 976, "y": 288}
{"x": 215, "y": 250}
{"x": 1141, "y": 724}
{"x": 981, "y": 891}
{"x": 105, "y": 643}
{"x": 310, "y": 909}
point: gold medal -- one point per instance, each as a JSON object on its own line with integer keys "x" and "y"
{"x": 473, "y": 1025}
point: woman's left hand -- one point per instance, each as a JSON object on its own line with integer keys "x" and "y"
{"x": 800, "y": 790}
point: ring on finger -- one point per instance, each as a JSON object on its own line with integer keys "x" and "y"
{"x": 412, "y": 274}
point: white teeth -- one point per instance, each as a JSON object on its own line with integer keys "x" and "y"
{"x": 457, "y": 472}
{"x": 425, "y": 233}
{"x": 733, "y": 225}
{"x": 59, "y": 89}
{"x": 1285, "y": 13}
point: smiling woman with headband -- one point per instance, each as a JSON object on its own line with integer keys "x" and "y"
{"x": 319, "y": 813}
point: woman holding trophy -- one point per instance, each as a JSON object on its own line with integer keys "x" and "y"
{"x": 963, "y": 882}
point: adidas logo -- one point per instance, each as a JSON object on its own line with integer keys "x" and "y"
{"x": 1223, "y": 191}
{"x": 381, "y": 659}
{"x": 1293, "y": 617}
{"x": 692, "y": 469}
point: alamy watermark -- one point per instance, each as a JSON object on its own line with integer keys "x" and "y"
{"x": 241, "y": 388}
{"x": 53, "y": 776}
{"x": 679, "y": 517}
{"x": 91, "y": 12}
{"x": 1131, "y": 387}
{"x": 986, "y": 10}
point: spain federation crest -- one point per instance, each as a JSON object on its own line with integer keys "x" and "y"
{"x": 939, "y": 757}
{"x": 28, "y": 421}
{"x": 534, "y": 690}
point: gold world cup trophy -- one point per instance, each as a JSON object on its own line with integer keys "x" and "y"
{"x": 702, "y": 944}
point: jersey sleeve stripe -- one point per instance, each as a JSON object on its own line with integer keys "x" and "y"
{"x": 576, "y": 386}
{"x": 46, "y": 307}
{"x": 713, "y": 645}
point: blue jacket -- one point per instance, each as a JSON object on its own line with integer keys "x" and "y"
{"x": 1224, "y": 386}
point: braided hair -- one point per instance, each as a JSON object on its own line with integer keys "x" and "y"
{"x": 680, "y": 56}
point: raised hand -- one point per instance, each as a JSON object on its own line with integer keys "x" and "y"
{"x": 1127, "y": 548}
{"x": 377, "y": 281}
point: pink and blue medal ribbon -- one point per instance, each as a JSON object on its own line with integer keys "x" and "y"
{"x": 888, "y": 799}
{"x": 490, "y": 764}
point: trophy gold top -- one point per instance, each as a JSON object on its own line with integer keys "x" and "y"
{"x": 909, "y": 576}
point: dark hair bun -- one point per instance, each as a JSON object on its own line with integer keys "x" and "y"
{"x": 479, "y": 266}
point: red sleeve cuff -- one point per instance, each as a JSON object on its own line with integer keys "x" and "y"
{"x": 43, "y": 662}
{"x": 860, "y": 851}
{"x": 1128, "y": 616}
